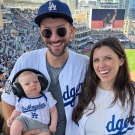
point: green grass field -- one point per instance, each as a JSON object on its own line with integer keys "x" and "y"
{"x": 131, "y": 58}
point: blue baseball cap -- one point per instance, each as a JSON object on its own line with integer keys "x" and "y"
{"x": 53, "y": 8}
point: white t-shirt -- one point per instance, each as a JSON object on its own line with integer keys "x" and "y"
{"x": 70, "y": 79}
{"x": 36, "y": 108}
{"x": 95, "y": 124}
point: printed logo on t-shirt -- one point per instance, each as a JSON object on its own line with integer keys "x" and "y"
{"x": 8, "y": 86}
{"x": 120, "y": 126}
{"x": 33, "y": 109}
{"x": 70, "y": 95}
{"x": 29, "y": 108}
{"x": 34, "y": 115}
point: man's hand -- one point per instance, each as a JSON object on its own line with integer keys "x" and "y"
{"x": 31, "y": 132}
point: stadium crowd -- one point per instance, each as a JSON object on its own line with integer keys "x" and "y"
{"x": 17, "y": 37}
{"x": 99, "y": 34}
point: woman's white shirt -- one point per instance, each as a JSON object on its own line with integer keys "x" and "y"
{"x": 95, "y": 124}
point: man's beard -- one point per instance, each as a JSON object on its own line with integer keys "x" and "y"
{"x": 61, "y": 53}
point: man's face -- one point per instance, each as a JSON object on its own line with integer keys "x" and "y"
{"x": 56, "y": 44}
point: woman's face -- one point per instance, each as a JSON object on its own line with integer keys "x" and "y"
{"x": 106, "y": 64}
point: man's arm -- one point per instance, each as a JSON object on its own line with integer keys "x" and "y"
{"x": 114, "y": 16}
{"x": 7, "y": 110}
{"x": 31, "y": 132}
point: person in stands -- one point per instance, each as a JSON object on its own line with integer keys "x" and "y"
{"x": 34, "y": 108}
{"x": 63, "y": 68}
{"x": 107, "y": 101}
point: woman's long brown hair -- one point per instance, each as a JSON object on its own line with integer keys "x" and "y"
{"x": 122, "y": 86}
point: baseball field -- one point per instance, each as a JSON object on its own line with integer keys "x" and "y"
{"x": 131, "y": 61}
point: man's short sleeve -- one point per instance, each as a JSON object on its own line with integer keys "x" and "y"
{"x": 8, "y": 95}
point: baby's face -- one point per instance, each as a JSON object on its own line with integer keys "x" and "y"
{"x": 30, "y": 84}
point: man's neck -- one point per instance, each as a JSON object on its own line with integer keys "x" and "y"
{"x": 57, "y": 62}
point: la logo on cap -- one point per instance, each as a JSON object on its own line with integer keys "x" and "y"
{"x": 52, "y": 6}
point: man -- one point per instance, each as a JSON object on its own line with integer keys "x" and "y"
{"x": 109, "y": 19}
{"x": 64, "y": 69}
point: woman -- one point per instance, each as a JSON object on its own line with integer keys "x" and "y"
{"x": 106, "y": 104}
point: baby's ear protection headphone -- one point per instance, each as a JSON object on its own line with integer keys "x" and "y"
{"x": 17, "y": 88}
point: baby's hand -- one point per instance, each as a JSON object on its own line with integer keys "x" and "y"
{"x": 52, "y": 129}
{"x": 9, "y": 121}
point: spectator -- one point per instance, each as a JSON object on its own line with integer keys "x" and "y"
{"x": 107, "y": 100}
{"x": 63, "y": 68}
{"x": 29, "y": 90}
{"x": 109, "y": 19}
